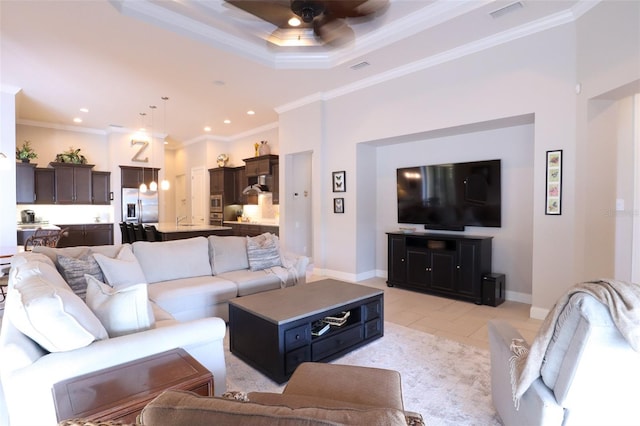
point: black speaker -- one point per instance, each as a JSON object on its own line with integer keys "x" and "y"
{"x": 492, "y": 289}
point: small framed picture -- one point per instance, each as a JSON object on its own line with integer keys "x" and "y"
{"x": 553, "y": 203}
{"x": 338, "y": 205}
{"x": 339, "y": 181}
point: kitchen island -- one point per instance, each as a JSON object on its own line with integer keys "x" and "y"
{"x": 170, "y": 231}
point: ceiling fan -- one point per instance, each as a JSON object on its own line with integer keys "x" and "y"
{"x": 327, "y": 18}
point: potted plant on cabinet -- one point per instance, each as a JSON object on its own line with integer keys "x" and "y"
{"x": 71, "y": 156}
{"x": 25, "y": 152}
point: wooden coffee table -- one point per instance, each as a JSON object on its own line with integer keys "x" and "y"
{"x": 271, "y": 331}
{"x": 121, "y": 392}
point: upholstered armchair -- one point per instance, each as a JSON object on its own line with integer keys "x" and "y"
{"x": 590, "y": 374}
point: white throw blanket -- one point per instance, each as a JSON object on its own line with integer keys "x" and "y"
{"x": 623, "y": 301}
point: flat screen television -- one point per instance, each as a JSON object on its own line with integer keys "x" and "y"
{"x": 450, "y": 196}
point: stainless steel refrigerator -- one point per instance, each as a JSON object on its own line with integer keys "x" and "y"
{"x": 139, "y": 207}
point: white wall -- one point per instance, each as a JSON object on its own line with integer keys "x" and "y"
{"x": 608, "y": 72}
{"x": 8, "y": 236}
{"x": 530, "y": 76}
{"x": 513, "y": 242}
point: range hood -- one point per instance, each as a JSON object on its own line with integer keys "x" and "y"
{"x": 257, "y": 188}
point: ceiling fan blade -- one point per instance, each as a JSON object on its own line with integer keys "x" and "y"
{"x": 354, "y": 8}
{"x": 334, "y": 32}
{"x": 276, "y": 12}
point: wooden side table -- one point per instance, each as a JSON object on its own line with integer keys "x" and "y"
{"x": 121, "y": 392}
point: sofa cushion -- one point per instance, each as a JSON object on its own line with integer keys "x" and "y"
{"x": 181, "y": 408}
{"x": 227, "y": 254}
{"x": 79, "y": 251}
{"x": 250, "y": 282}
{"x": 74, "y": 269}
{"x": 121, "y": 311}
{"x": 263, "y": 251}
{"x": 24, "y": 257}
{"x": 191, "y": 293}
{"x": 122, "y": 271}
{"x": 24, "y": 270}
{"x": 572, "y": 334}
{"x": 170, "y": 260}
{"x": 54, "y": 317}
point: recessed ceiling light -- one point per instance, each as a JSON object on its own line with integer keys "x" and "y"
{"x": 227, "y": 121}
{"x": 84, "y": 109}
{"x": 207, "y": 129}
{"x": 251, "y": 112}
{"x": 77, "y": 120}
{"x": 294, "y": 22}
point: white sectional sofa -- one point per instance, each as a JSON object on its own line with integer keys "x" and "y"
{"x": 167, "y": 294}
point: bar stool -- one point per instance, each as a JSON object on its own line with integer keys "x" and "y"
{"x": 125, "y": 234}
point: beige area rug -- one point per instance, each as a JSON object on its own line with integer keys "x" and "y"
{"x": 445, "y": 381}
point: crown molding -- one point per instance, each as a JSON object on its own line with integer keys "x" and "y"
{"x": 504, "y": 37}
{"x": 65, "y": 127}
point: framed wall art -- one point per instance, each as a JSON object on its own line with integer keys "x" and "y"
{"x": 553, "y": 199}
{"x": 339, "y": 181}
{"x": 338, "y": 205}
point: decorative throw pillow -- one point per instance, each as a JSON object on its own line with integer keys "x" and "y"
{"x": 52, "y": 316}
{"x": 121, "y": 311}
{"x": 122, "y": 271}
{"x": 73, "y": 270}
{"x": 263, "y": 251}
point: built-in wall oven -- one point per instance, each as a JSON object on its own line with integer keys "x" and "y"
{"x": 216, "y": 210}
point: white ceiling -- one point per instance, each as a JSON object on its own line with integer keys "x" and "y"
{"x": 117, "y": 58}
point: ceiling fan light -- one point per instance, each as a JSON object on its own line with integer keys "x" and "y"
{"x": 294, "y": 22}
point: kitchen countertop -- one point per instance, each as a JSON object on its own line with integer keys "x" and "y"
{"x": 169, "y": 231}
{"x": 235, "y": 222}
{"x": 169, "y": 227}
{"x": 36, "y": 225}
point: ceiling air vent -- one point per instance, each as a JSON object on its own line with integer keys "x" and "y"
{"x": 507, "y": 9}
{"x": 360, "y": 65}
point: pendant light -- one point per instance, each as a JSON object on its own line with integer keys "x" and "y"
{"x": 165, "y": 185}
{"x": 143, "y": 186}
{"x": 153, "y": 186}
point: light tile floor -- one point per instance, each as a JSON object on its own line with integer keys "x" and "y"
{"x": 464, "y": 322}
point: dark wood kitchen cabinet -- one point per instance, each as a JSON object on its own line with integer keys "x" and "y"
{"x": 25, "y": 182}
{"x": 73, "y": 183}
{"x": 273, "y": 183}
{"x": 101, "y": 187}
{"x": 441, "y": 264}
{"x": 45, "y": 185}
{"x": 132, "y": 177}
{"x": 240, "y": 180}
{"x": 221, "y": 181}
{"x": 91, "y": 234}
{"x": 259, "y": 166}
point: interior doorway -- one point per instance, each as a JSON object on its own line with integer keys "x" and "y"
{"x": 299, "y": 211}
{"x": 198, "y": 196}
{"x": 635, "y": 247}
{"x": 181, "y": 196}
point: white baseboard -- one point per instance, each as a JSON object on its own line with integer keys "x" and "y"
{"x": 516, "y": 296}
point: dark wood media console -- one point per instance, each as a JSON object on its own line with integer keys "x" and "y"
{"x": 441, "y": 264}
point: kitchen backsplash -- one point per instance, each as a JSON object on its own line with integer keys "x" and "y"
{"x": 68, "y": 214}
